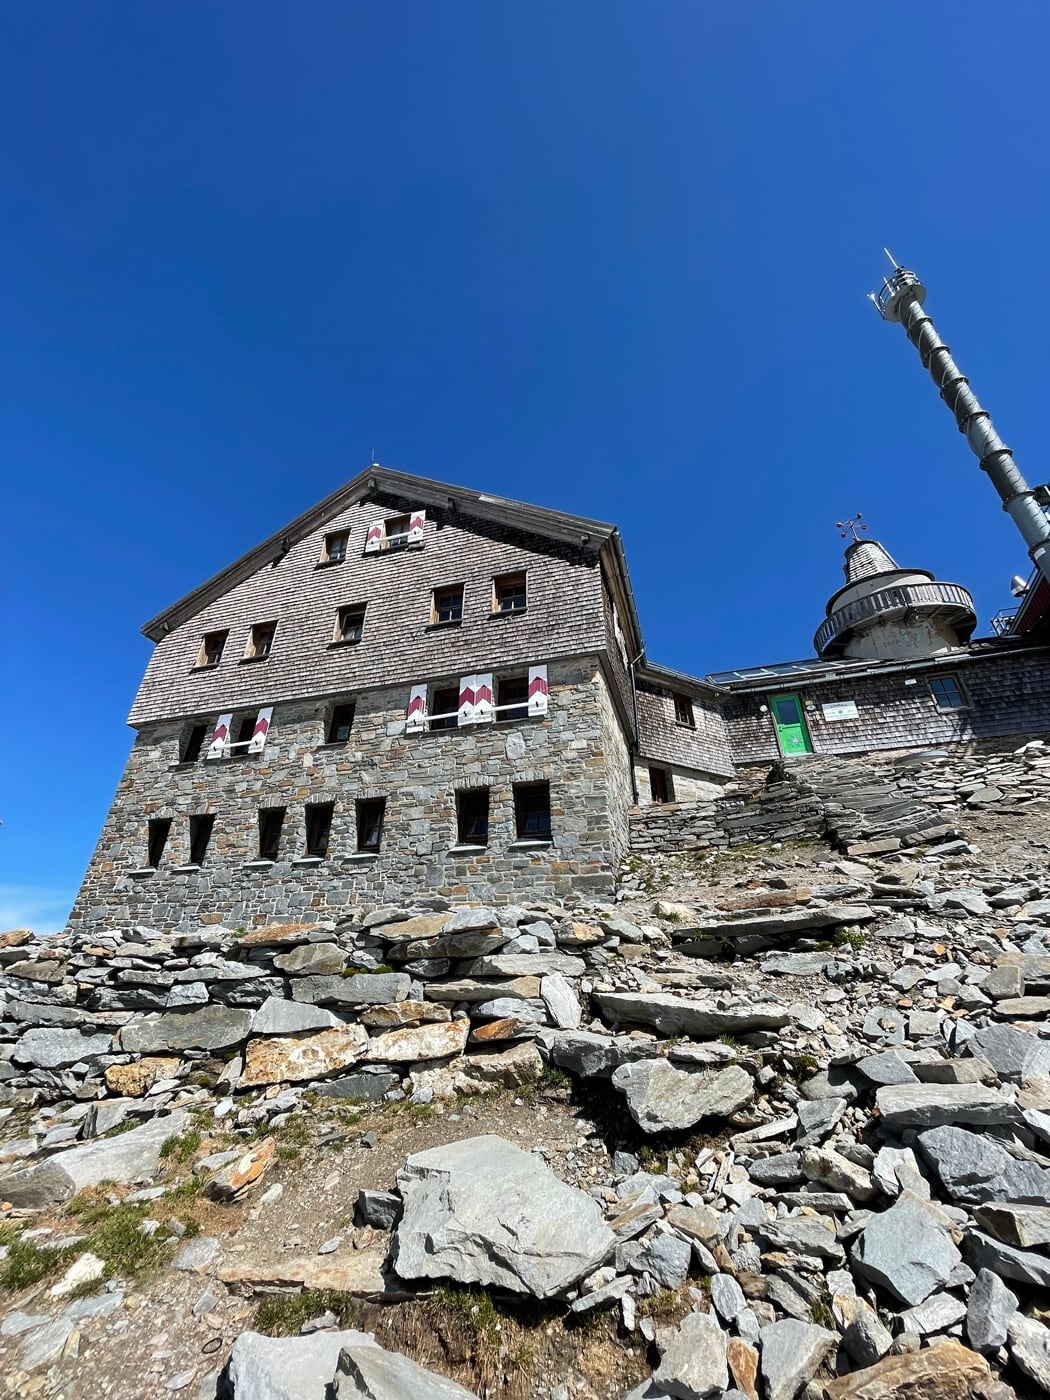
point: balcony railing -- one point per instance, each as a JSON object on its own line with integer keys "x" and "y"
{"x": 931, "y": 599}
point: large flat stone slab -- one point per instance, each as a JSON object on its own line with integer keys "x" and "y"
{"x": 483, "y": 1211}
{"x": 906, "y": 1250}
{"x": 213, "y": 1027}
{"x": 975, "y": 1168}
{"x": 673, "y": 1015}
{"x": 937, "y": 1105}
{"x": 362, "y": 989}
{"x": 662, "y": 1098}
{"x": 945, "y": 1371}
{"x": 363, "y": 1273}
{"x": 55, "y": 1048}
{"x": 435, "y": 1041}
{"x": 288, "y": 1368}
{"x": 372, "y": 1373}
{"x": 288, "y": 1059}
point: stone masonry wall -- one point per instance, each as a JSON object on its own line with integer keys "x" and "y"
{"x": 1008, "y": 694}
{"x": 577, "y": 747}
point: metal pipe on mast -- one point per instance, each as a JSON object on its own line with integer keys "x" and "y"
{"x": 901, "y": 298}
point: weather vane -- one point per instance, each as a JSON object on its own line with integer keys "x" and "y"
{"x": 851, "y": 526}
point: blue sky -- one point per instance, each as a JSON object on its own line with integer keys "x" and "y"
{"x": 606, "y": 257}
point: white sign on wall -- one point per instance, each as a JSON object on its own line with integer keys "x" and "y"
{"x": 840, "y": 709}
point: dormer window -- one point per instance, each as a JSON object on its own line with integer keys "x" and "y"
{"x": 260, "y": 641}
{"x": 334, "y": 550}
{"x": 210, "y": 653}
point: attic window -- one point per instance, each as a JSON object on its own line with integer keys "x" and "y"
{"x": 334, "y": 550}
{"x": 396, "y": 532}
{"x": 349, "y": 625}
{"x": 508, "y": 593}
{"x": 447, "y": 606}
{"x": 947, "y": 693}
{"x": 210, "y": 653}
{"x": 260, "y": 641}
{"x": 683, "y": 711}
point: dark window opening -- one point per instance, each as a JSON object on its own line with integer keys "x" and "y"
{"x": 532, "y": 811}
{"x": 395, "y": 531}
{"x": 243, "y": 736}
{"x": 318, "y": 827}
{"x": 260, "y": 641}
{"x": 512, "y": 692}
{"x": 340, "y": 724}
{"x": 159, "y": 827}
{"x": 448, "y": 604}
{"x": 509, "y": 593}
{"x": 335, "y": 547}
{"x": 446, "y": 708}
{"x": 193, "y": 743}
{"x": 683, "y": 711}
{"x": 472, "y": 816}
{"x": 200, "y": 835}
{"x": 370, "y": 813}
{"x": 211, "y": 648}
{"x": 660, "y": 785}
{"x": 349, "y": 624}
{"x": 947, "y": 693}
{"x": 271, "y": 819}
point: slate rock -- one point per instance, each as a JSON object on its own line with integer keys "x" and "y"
{"x": 946, "y": 1371}
{"x": 561, "y": 1001}
{"x": 667, "y": 1258}
{"x": 324, "y": 959}
{"x": 887, "y": 1068}
{"x": 435, "y": 1041}
{"x": 590, "y": 1054}
{"x": 366, "y": 1087}
{"x": 662, "y": 1098}
{"x": 782, "y": 1169}
{"x": 380, "y": 1209}
{"x": 1015, "y": 1055}
{"x": 48, "y": 1048}
{"x": 989, "y": 1307}
{"x": 974, "y": 1168}
{"x": 482, "y": 1211}
{"x": 791, "y": 1352}
{"x": 372, "y": 1373}
{"x": 906, "y": 1250}
{"x": 1023, "y": 1226}
{"x": 1022, "y": 1265}
{"x": 362, "y": 989}
{"x": 939, "y": 1312}
{"x": 1030, "y": 1349}
{"x": 214, "y": 1027}
{"x": 812, "y": 1235}
{"x": 864, "y": 1338}
{"x": 539, "y": 964}
{"x": 288, "y": 1059}
{"x": 129, "y": 1157}
{"x": 694, "y": 1364}
{"x": 288, "y": 1368}
{"x": 727, "y": 1297}
{"x": 279, "y": 1016}
{"x": 673, "y": 1015}
{"x": 936, "y": 1105}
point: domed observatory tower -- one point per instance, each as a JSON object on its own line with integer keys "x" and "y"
{"x": 886, "y": 613}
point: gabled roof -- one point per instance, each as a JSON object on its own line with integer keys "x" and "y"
{"x": 377, "y": 481}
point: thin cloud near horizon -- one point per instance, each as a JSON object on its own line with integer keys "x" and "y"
{"x": 34, "y": 907}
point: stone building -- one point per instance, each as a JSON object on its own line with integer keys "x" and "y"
{"x": 415, "y": 687}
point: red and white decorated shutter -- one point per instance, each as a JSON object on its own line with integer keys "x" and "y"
{"x": 466, "y": 699}
{"x": 483, "y": 712}
{"x": 537, "y": 690}
{"x": 219, "y": 743}
{"x": 416, "y": 525}
{"x": 416, "y": 718}
{"x": 374, "y": 538}
{"x": 262, "y": 728}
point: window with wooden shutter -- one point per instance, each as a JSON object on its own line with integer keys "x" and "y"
{"x": 396, "y": 531}
{"x": 508, "y": 593}
{"x": 219, "y": 744}
{"x": 210, "y": 653}
{"x": 513, "y": 699}
{"x": 334, "y": 549}
{"x": 465, "y": 701}
{"x": 447, "y": 605}
{"x": 446, "y": 706}
{"x": 538, "y": 690}
{"x": 483, "y": 699}
{"x": 260, "y": 730}
{"x": 374, "y": 537}
{"x": 416, "y": 526}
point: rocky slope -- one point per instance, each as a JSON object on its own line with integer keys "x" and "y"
{"x": 777, "y": 1124}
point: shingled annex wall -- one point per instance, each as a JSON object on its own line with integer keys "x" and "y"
{"x": 578, "y": 747}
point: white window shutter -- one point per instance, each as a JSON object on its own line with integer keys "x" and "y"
{"x": 219, "y": 744}
{"x": 483, "y": 712}
{"x": 466, "y": 699}
{"x": 374, "y": 538}
{"x": 416, "y": 525}
{"x": 262, "y": 728}
{"x": 537, "y": 690}
{"x": 416, "y": 718}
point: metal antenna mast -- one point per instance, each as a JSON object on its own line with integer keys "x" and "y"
{"x": 901, "y": 298}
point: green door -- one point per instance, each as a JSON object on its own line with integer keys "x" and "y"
{"x": 790, "y": 722}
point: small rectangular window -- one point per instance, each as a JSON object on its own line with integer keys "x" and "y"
{"x": 271, "y": 820}
{"x": 660, "y": 789}
{"x": 349, "y": 625}
{"x": 683, "y": 711}
{"x": 532, "y": 811}
{"x": 472, "y": 816}
{"x": 200, "y": 835}
{"x": 445, "y": 708}
{"x": 212, "y": 644}
{"x": 947, "y": 693}
{"x": 242, "y": 735}
{"x": 508, "y": 593}
{"x": 334, "y": 550}
{"x": 193, "y": 743}
{"x": 395, "y": 531}
{"x": 157, "y": 839}
{"x": 340, "y": 724}
{"x": 512, "y": 698}
{"x": 260, "y": 641}
{"x": 370, "y": 813}
{"x": 447, "y": 605}
{"x": 318, "y": 827}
